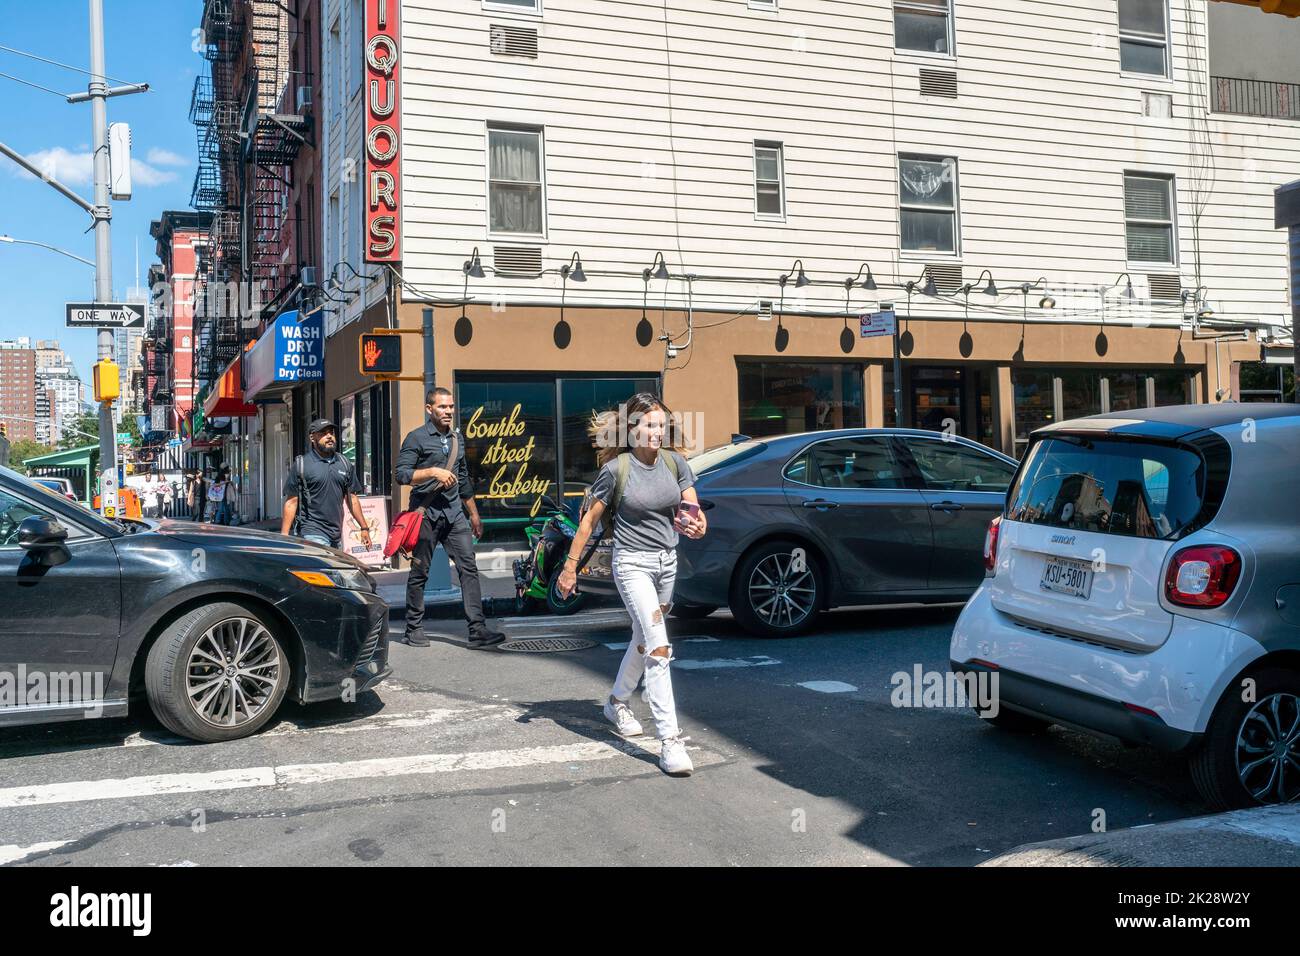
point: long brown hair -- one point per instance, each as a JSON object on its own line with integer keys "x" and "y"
{"x": 610, "y": 431}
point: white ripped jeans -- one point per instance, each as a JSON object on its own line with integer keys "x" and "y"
{"x": 645, "y": 583}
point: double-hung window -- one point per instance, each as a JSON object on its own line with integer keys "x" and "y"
{"x": 927, "y": 190}
{"x": 769, "y": 181}
{"x": 1143, "y": 37}
{"x": 923, "y": 25}
{"x": 516, "y": 192}
{"x": 1149, "y": 218}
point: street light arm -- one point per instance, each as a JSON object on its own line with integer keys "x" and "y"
{"x": 22, "y": 161}
{"x": 45, "y": 245}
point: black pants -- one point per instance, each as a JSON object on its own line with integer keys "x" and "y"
{"x": 455, "y": 537}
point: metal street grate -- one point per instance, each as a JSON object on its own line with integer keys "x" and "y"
{"x": 547, "y": 645}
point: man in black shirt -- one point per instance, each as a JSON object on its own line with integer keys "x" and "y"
{"x": 315, "y": 489}
{"x": 432, "y": 460}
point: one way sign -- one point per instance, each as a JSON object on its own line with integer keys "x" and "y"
{"x": 104, "y": 315}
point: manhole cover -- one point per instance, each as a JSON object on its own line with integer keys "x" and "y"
{"x": 547, "y": 645}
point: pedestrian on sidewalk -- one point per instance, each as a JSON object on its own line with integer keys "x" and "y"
{"x": 646, "y": 490}
{"x": 316, "y": 489}
{"x": 197, "y": 495}
{"x": 432, "y": 461}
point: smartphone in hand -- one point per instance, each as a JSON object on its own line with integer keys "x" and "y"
{"x": 686, "y": 511}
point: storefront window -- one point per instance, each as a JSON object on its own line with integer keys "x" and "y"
{"x": 509, "y": 429}
{"x": 778, "y": 398}
{"x": 1172, "y": 387}
{"x": 1035, "y": 404}
{"x": 348, "y": 429}
{"x": 936, "y": 399}
{"x": 365, "y": 442}
{"x": 1080, "y": 393}
{"x": 1127, "y": 390}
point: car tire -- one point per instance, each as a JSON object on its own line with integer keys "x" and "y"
{"x": 184, "y": 659}
{"x": 769, "y": 560}
{"x": 692, "y": 612}
{"x": 1239, "y": 728}
{"x": 1015, "y": 722}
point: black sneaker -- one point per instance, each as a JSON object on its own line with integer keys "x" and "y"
{"x": 482, "y": 637}
{"x": 416, "y": 639}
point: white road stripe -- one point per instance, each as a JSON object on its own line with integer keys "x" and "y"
{"x": 759, "y": 660}
{"x": 81, "y": 791}
{"x": 13, "y": 854}
{"x": 828, "y": 686}
{"x": 680, "y": 640}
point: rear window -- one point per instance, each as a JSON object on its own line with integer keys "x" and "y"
{"x": 1133, "y": 488}
{"x": 713, "y": 458}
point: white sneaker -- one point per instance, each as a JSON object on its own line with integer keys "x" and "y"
{"x": 621, "y": 716}
{"x": 673, "y": 759}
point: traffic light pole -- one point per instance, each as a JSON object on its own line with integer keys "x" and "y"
{"x": 102, "y": 213}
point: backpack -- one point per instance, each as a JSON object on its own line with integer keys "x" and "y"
{"x": 304, "y": 498}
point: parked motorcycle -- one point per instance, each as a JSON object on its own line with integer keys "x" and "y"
{"x": 537, "y": 574}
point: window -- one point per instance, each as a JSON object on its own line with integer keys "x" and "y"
{"x": 952, "y": 466}
{"x": 515, "y": 195}
{"x": 777, "y": 398}
{"x": 1143, "y": 37}
{"x": 334, "y": 56}
{"x": 332, "y": 230}
{"x": 769, "y": 181}
{"x": 1149, "y": 218}
{"x": 356, "y": 49}
{"x": 850, "y": 463}
{"x": 923, "y": 25}
{"x": 14, "y": 511}
{"x": 519, "y": 6}
{"x": 927, "y": 189}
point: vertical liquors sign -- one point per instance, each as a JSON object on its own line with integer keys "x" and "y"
{"x": 383, "y": 164}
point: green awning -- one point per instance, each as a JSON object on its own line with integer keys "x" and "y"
{"x": 77, "y": 464}
{"x": 70, "y": 458}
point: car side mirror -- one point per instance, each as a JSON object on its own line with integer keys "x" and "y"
{"x": 41, "y": 534}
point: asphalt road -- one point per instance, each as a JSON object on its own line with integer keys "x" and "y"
{"x": 498, "y": 757}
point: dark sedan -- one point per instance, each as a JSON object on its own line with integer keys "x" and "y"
{"x": 803, "y": 523}
{"x": 214, "y": 625}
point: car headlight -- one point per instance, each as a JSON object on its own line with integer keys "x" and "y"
{"x": 347, "y": 578}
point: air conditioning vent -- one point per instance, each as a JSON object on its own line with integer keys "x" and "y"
{"x": 939, "y": 83}
{"x": 765, "y": 310}
{"x": 1166, "y": 287}
{"x": 1157, "y": 105}
{"x": 513, "y": 40}
{"x": 947, "y": 278}
{"x": 525, "y": 261}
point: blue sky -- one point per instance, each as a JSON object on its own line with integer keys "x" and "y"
{"x": 147, "y": 41}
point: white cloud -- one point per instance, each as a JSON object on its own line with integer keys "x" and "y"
{"x": 165, "y": 157}
{"x": 78, "y": 169}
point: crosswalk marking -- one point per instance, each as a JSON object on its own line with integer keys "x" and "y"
{"x": 81, "y": 791}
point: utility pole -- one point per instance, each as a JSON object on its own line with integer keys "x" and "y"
{"x": 103, "y": 214}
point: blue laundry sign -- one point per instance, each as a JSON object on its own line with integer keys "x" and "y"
{"x": 291, "y": 351}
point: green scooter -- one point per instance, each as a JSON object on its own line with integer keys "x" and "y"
{"x": 538, "y": 573}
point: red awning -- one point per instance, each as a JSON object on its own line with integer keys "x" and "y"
{"x": 226, "y": 400}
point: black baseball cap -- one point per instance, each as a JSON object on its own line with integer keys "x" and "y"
{"x": 320, "y": 424}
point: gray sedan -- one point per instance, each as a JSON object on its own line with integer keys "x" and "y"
{"x": 808, "y": 522}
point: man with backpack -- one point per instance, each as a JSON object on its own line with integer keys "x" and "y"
{"x": 317, "y": 487}
{"x": 432, "y": 462}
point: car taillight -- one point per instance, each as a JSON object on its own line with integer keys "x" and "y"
{"x": 991, "y": 544}
{"x": 1202, "y": 576}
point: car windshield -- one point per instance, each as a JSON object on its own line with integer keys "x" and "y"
{"x": 85, "y": 516}
{"x": 713, "y": 458}
{"x": 1134, "y": 488}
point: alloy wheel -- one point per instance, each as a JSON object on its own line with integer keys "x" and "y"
{"x": 1268, "y": 749}
{"x": 232, "y": 672}
{"x": 780, "y": 595}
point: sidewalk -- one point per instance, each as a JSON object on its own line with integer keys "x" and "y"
{"x": 1264, "y": 836}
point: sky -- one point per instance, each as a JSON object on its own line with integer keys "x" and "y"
{"x": 146, "y": 41}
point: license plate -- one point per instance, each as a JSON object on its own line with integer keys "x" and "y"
{"x": 1067, "y": 577}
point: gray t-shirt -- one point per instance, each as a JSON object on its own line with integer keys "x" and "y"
{"x": 645, "y": 512}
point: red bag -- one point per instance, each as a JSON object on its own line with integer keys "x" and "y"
{"x": 404, "y": 535}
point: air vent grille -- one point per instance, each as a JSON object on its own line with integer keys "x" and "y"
{"x": 513, "y": 40}
{"x": 1167, "y": 287}
{"x": 765, "y": 309}
{"x": 947, "y": 278}
{"x": 939, "y": 83}
{"x": 517, "y": 260}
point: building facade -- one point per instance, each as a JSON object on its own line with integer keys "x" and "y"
{"x": 1067, "y": 208}
{"x": 18, "y": 399}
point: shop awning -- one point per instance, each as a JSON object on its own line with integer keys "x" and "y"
{"x": 72, "y": 463}
{"x": 226, "y": 400}
{"x": 291, "y": 351}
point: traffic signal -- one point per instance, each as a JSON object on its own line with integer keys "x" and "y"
{"x": 4, "y": 429}
{"x": 107, "y": 381}
{"x": 380, "y": 353}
